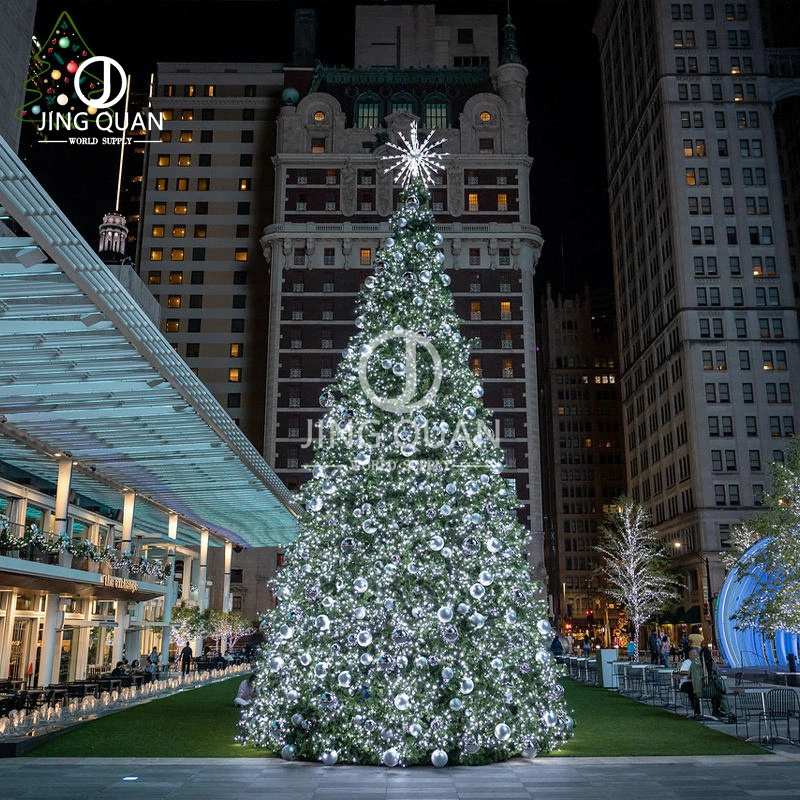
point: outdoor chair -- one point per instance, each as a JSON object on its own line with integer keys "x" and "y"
{"x": 783, "y": 704}
{"x": 746, "y": 708}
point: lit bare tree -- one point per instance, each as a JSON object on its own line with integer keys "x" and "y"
{"x": 775, "y": 606}
{"x": 633, "y": 564}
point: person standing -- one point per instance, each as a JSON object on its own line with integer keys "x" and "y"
{"x": 696, "y": 638}
{"x": 666, "y": 647}
{"x": 586, "y": 646}
{"x": 654, "y": 644}
{"x": 154, "y": 656}
{"x": 186, "y": 659}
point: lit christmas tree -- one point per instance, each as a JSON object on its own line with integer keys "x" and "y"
{"x": 408, "y": 629}
{"x": 51, "y": 85}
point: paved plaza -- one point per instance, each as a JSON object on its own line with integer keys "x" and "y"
{"x": 772, "y": 775}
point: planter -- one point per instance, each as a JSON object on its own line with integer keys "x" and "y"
{"x": 65, "y": 559}
{"x": 80, "y": 562}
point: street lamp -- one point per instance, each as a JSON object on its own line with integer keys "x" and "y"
{"x": 708, "y": 594}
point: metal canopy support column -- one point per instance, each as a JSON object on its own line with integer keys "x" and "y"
{"x": 169, "y": 596}
{"x": 119, "y": 632}
{"x": 127, "y": 522}
{"x": 49, "y": 637}
{"x": 62, "y": 496}
{"x": 202, "y": 588}
{"x": 226, "y": 586}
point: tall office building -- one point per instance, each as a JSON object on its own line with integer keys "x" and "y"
{"x": 208, "y": 189}
{"x": 333, "y": 198}
{"x": 707, "y": 323}
{"x": 582, "y": 440}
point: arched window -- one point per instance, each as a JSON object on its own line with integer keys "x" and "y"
{"x": 435, "y": 108}
{"x": 401, "y": 101}
{"x": 368, "y": 110}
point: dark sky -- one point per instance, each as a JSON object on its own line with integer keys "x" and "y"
{"x": 564, "y": 108}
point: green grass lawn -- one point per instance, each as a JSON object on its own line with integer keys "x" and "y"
{"x": 608, "y": 724}
{"x": 201, "y": 723}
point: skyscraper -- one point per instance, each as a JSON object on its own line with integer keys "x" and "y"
{"x": 702, "y": 272}
{"x": 582, "y": 440}
{"x": 333, "y": 197}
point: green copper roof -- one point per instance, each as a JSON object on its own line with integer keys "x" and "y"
{"x": 399, "y": 76}
{"x": 510, "y": 54}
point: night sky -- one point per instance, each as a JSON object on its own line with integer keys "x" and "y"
{"x": 555, "y": 40}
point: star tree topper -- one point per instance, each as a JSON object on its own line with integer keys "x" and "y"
{"x": 415, "y": 160}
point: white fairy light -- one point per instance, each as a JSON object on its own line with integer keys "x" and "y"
{"x": 415, "y": 160}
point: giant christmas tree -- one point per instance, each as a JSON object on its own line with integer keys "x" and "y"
{"x": 408, "y": 629}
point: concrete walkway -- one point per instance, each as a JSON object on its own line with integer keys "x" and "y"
{"x": 767, "y": 777}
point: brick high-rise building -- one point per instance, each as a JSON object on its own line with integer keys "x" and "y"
{"x": 333, "y": 198}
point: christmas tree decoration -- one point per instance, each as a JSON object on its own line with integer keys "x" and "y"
{"x": 51, "y": 82}
{"x": 408, "y": 629}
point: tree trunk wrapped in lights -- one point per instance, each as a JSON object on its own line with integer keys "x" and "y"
{"x": 408, "y": 629}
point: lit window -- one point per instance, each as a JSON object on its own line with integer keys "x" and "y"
{"x": 154, "y": 278}
{"x": 185, "y": 136}
{"x": 203, "y": 184}
{"x": 176, "y": 254}
{"x": 181, "y": 208}
{"x": 184, "y": 160}
{"x": 365, "y": 256}
{"x": 166, "y": 136}
{"x": 200, "y": 231}
{"x": 317, "y": 145}
{"x": 156, "y": 254}
{"x": 174, "y": 301}
{"x": 485, "y": 116}
{"x": 244, "y": 184}
{"x": 179, "y": 231}
{"x": 163, "y": 160}
{"x": 502, "y": 202}
{"x": 319, "y": 116}
{"x": 162, "y": 184}
{"x": 187, "y": 113}
{"x": 176, "y": 277}
{"x": 505, "y": 309}
{"x": 166, "y": 114}
{"x": 158, "y": 231}
{"x": 172, "y": 326}
{"x": 472, "y": 201}
{"x": 234, "y": 375}
{"x": 182, "y": 184}
{"x": 241, "y": 254}
{"x": 159, "y": 208}
{"x": 236, "y": 350}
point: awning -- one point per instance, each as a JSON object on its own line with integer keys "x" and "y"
{"x": 85, "y": 373}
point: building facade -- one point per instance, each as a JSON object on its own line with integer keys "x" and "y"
{"x": 582, "y": 439}
{"x": 333, "y": 198}
{"x": 207, "y": 196}
{"x": 707, "y": 322}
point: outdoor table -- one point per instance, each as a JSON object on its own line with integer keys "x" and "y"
{"x": 673, "y": 697}
{"x": 644, "y": 682}
{"x": 621, "y": 668}
{"x": 109, "y": 684}
{"x": 765, "y": 718}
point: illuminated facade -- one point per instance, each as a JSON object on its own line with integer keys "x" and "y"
{"x": 703, "y": 272}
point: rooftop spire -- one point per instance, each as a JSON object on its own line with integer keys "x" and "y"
{"x": 510, "y": 53}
